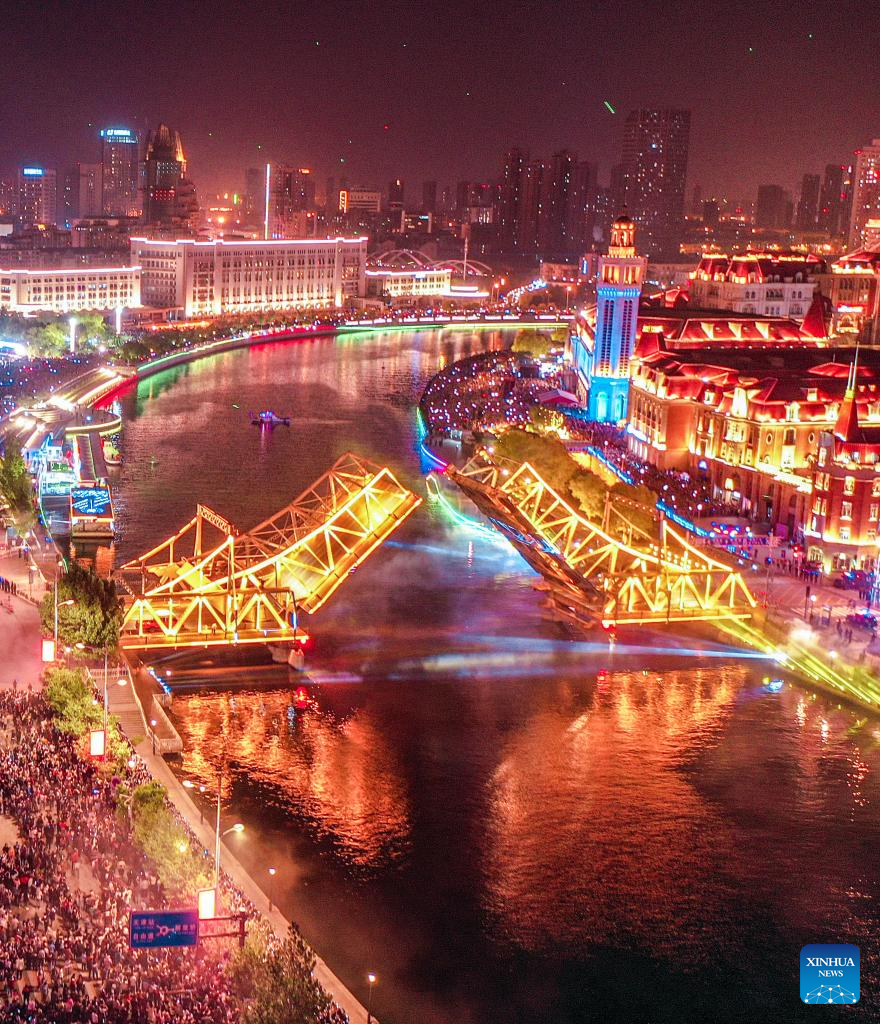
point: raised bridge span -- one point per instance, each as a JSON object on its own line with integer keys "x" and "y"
{"x": 613, "y": 571}
{"x": 208, "y": 584}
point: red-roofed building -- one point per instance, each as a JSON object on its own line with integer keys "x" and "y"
{"x": 852, "y": 286}
{"x": 757, "y": 283}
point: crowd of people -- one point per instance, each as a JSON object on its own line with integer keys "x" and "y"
{"x": 67, "y": 884}
{"x": 478, "y": 393}
{"x": 23, "y": 379}
{"x": 686, "y": 494}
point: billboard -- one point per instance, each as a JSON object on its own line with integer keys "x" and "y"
{"x": 157, "y": 929}
{"x": 93, "y": 502}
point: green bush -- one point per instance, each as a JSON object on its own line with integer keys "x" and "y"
{"x": 77, "y": 711}
{"x": 277, "y": 981}
{"x": 180, "y": 869}
{"x": 95, "y": 617}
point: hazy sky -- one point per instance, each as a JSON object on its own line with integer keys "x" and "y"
{"x": 439, "y": 90}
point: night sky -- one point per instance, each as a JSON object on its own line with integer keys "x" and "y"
{"x": 456, "y": 83}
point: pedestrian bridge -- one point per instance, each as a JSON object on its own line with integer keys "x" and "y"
{"x": 211, "y": 585}
{"x": 613, "y": 571}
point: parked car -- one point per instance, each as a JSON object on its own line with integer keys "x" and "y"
{"x": 862, "y": 620}
{"x": 854, "y": 579}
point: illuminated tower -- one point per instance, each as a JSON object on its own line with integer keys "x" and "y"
{"x": 618, "y": 288}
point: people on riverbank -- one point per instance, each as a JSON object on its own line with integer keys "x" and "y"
{"x": 67, "y": 883}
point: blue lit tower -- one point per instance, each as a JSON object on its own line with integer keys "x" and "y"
{"x": 618, "y": 288}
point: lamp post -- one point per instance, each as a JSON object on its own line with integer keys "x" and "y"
{"x": 272, "y": 874}
{"x": 153, "y": 734}
{"x": 371, "y": 978}
{"x": 72, "y": 323}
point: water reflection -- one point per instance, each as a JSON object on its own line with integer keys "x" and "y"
{"x": 337, "y": 775}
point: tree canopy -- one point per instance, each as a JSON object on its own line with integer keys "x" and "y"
{"x": 95, "y": 617}
{"x": 15, "y": 487}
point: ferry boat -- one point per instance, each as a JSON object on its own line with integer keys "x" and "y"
{"x": 267, "y": 418}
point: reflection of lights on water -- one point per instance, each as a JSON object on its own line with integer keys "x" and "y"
{"x": 824, "y": 729}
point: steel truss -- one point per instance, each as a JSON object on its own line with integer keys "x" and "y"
{"x": 613, "y": 570}
{"x": 208, "y": 584}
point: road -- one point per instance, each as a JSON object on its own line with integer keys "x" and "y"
{"x": 19, "y": 642}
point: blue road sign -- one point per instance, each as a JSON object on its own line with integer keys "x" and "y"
{"x": 154, "y": 929}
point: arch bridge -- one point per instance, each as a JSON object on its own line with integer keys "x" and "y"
{"x": 209, "y": 584}
{"x": 613, "y": 571}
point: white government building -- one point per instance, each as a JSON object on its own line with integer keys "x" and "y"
{"x": 231, "y": 275}
{"x": 69, "y": 289}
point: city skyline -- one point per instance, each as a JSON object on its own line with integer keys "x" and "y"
{"x": 318, "y": 101}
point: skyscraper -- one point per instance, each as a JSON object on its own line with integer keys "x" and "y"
{"x": 831, "y": 199}
{"x": 395, "y": 194}
{"x": 429, "y": 197}
{"x": 865, "y": 193}
{"x": 89, "y": 192}
{"x": 288, "y": 198}
{"x": 119, "y": 172}
{"x": 510, "y": 198}
{"x": 808, "y": 204}
{"x": 36, "y": 196}
{"x": 655, "y": 155}
{"x": 169, "y": 199}
{"x": 773, "y": 208}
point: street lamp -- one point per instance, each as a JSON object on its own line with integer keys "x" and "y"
{"x": 72, "y": 323}
{"x": 153, "y": 724}
{"x": 272, "y": 874}
{"x": 237, "y": 827}
{"x": 371, "y": 978}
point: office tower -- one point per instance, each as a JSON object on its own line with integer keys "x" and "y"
{"x": 395, "y": 194}
{"x": 89, "y": 191}
{"x": 711, "y": 213}
{"x": 288, "y": 198}
{"x": 510, "y": 199}
{"x": 618, "y": 288}
{"x": 655, "y": 155}
{"x": 36, "y": 196}
{"x": 772, "y": 209}
{"x": 255, "y": 194}
{"x": 429, "y": 197}
{"x": 865, "y": 193}
{"x": 808, "y": 204}
{"x": 697, "y": 204}
{"x": 831, "y": 200}
{"x": 119, "y": 172}
{"x": 169, "y": 198}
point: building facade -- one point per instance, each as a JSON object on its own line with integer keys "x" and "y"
{"x": 852, "y": 287}
{"x": 653, "y": 173}
{"x": 36, "y": 196}
{"x": 120, "y": 157}
{"x": 169, "y": 199}
{"x": 865, "y": 193}
{"x": 70, "y": 289}
{"x": 760, "y": 283}
{"x": 289, "y": 198}
{"x": 231, "y": 276}
{"x": 603, "y": 366}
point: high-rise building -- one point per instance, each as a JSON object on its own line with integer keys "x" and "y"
{"x": 36, "y": 196}
{"x": 89, "y": 193}
{"x": 169, "y": 199}
{"x": 618, "y": 288}
{"x": 119, "y": 172}
{"x": 655, "y": 155}
{"x": 865, "y": 193}
{"x": 395, "y": 194}
{"x": 808, "y": 204}
{"x": 773, "y": 208}
{"x": 288, "y": 199}
{"x": 429, "y": 197}
{"x": 831, "y": 200}
{"x": 510, "y": 198}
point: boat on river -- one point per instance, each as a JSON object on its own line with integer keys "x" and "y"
{"x": 268, "y": 418}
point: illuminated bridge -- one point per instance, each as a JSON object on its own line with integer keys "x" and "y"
{"x": 612, "y": 572}
{"x": 209, "y": 584}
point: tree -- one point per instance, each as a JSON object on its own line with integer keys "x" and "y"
{"x": 548, "y": 455}
{"x": 51, "y": 339}
{"x": 181, "y": 870}
{"x": 588, "y": 491}
{"x": 536, "y": 343}
{"x": 95, "y": 617}
{"x": 16, "y": 488}
{"x": 277, "y": 982}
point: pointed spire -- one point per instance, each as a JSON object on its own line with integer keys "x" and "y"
{"x": 814, "y": 324}
{"x": 847, "y": 426}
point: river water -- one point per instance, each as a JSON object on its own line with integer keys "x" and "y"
{"x": 503, "y": 824}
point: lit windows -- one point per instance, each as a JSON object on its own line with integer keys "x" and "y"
{"x": 849, "y": 485}
{"x": 846, "y": 510}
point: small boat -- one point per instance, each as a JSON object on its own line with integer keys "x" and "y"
{"x": 267, "y": 418}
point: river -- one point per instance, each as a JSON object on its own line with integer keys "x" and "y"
{"x": 502, "y": 824}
